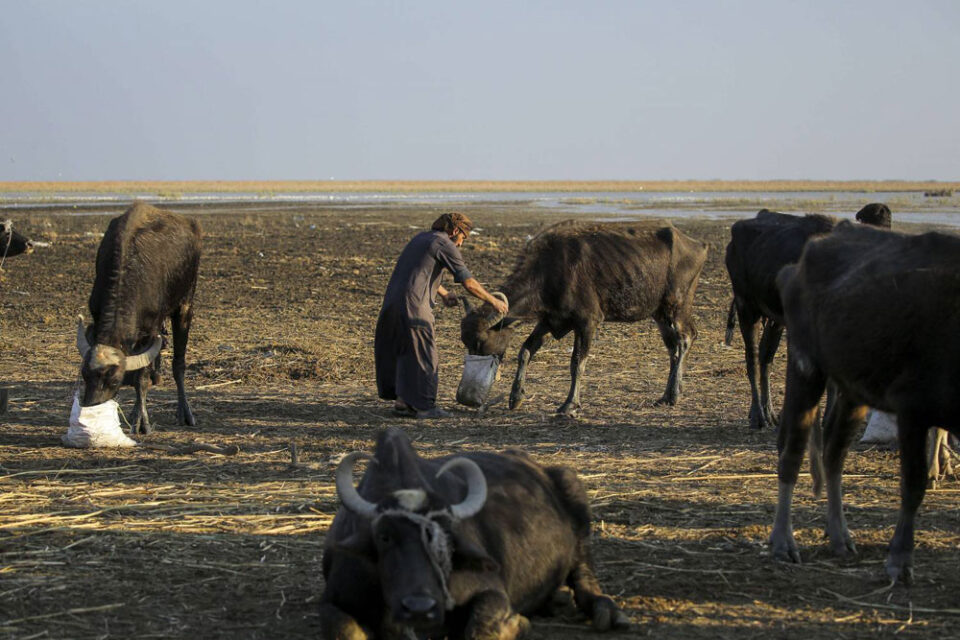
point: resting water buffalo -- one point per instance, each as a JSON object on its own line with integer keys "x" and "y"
{"x": 460, "y": 546}
{"x": 146, "y": 271}
{"x": 759, "y": 247}
{"x": 878, "y": 313}
{"x": 12, "y": 243}
{"x": 572, "y": 277}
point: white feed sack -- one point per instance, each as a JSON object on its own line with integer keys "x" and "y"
{"x": 96, "y": 426}
{"x": 479, "y": 374}
{"x": 881, "y": 428}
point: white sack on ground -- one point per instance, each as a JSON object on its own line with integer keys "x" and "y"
{"x": 96, "y": 426}
{"x": 881, "y": 428}
{"x": 479, "y": 373}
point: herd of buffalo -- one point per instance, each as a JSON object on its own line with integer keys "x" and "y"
{"x": 467, "y": 545}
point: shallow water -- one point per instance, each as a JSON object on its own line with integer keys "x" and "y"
{"x": 907, "y": 207}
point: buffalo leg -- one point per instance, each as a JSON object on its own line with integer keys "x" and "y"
{"x": 748, "y": 329}
{"x": 839, "y": 429}
{"x": 677, "y": 342}
{"x": 769, "y": 341}
{"x": 139, "y": 420}
{"x": 799, "y": 414}
{"x": 492, "y": 618}
{"x": 180, "y": 322}
{"x": 912, "y": 434}
{"x": 336, "y": 624}
{"x": 582, "y": 339}
{"x": 530, "y": 347}
{"x": 590, "y": 599}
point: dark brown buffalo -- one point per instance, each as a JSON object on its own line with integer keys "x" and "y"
{"x": 877, "y": 313}
{"x": 146, "y": 272}
{"x": 459, "y": 546}
{"x": 759, "y": 247}
{"x": 12, "y": 242}
{"x": 573, "y": 276}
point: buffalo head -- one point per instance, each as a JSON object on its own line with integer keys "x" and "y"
{"x": 12, "y": 243}
{"x": 483, "y": 331}
{"x": 104, "y": 366}
{"x": 412, "y": 538}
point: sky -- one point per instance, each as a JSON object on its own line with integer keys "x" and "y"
{"x": 491, "y": 90}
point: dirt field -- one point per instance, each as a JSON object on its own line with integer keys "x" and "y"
{"x": 136, "y": 543}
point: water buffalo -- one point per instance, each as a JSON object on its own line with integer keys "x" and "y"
{"x": 146, "y": 271}
{"x": 877, "y": 313}
{"x": 759, "y": 247}
{"x": 461, "y": 546}
{"x": 12, "y": 242}
{"x": 573, "y": 276}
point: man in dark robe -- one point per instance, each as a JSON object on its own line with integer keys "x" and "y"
{"x": 404, "y": 348}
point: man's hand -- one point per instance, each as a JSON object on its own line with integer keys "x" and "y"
{"x": 500, "y": 305}
{"x": 450, "y": 299}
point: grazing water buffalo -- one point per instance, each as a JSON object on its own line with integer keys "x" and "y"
{"x": 573, "y": 276}
{"x": 759, "y": 247}
{"x": 877, "y": 313}
{"x": 146, "y": 271}
{"x": 12, "y": 243}
{"x": 460, "y": 546}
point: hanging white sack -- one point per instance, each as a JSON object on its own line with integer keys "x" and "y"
{"x": 96, "y": 426}
{"x": 479, "y": 374}
{"x": 881, "y": 428}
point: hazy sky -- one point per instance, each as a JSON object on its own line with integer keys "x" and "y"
{"x": 228, "y": 89}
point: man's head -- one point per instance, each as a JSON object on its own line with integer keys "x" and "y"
{"x": 456, "y": 225}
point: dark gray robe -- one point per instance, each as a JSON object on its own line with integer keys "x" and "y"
{"x": 404, "y": 347}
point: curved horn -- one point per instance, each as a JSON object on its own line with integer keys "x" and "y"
{"x": 347, "y": 492}
{"x": 82, "y": 345}
{"x": 467, "y": 305}
{"x": 497, "y": 317}
{"x": 476, "y": 488}
{"x": 140, "y": 360}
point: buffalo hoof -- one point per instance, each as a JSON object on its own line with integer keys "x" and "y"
{"x": 569, "y": 410}
{"x": 185, "y": 415}
{"x": 842, "y": 544}
{"x": 900, "y": 568}
{"x": 607, "y": 616}
{"x": 666, "y": 399}
{"x": 784, "y": 548}
{"x": 516, "y": 398}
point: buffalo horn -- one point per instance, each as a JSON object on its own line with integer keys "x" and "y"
{"x": 476, "y": 488}
{"x": 140, "y": 360}
{"x": 347, "y": 492}
{"x": 497, "y": 317}
{"x": 82, "y": 345}
{"x": 467, "y": 305}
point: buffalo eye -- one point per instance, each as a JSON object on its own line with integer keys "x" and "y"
{"x": 384, "y": 538}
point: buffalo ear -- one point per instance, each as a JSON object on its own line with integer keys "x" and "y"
{"x": 357, "y": 545}
{"x": 468, "y": 556}
{"x": 513, "y": 323}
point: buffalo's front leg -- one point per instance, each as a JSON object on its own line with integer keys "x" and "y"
{"x": 600, "y": 608}
{"x": 677, "y": 339}
{"x": 180, "y": 324}
{"x": 530, "y": 347}
{"x": 492, "y": 618}
{"x": 582, "y": 339}
{"x": 799, "y": 414}
{"x": 138, "y": 419}
{"x": 336, "y": 624}
{"x": 913, "y": 484}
